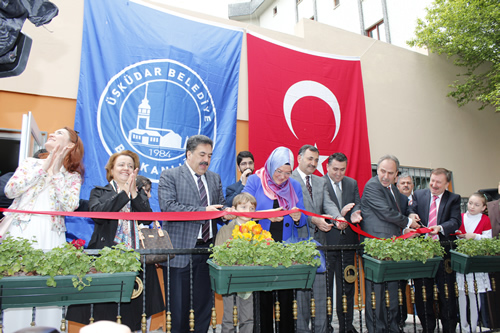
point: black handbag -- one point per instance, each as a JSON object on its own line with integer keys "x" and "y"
{"x": 155, "y": 238}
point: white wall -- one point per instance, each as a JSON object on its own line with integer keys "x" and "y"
{"x": 407, "y": 109}
{"x": 283, "y": 20}
{"x": 344, "y": 16}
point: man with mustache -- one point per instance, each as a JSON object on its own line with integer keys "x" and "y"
{"x": 405, "y": 186}
{"x": 383, "y": 217}
{"x": 439, "y": 210}
{"x": 190, "y": 188}
{"x": 245, "y": 164}
{"x": 317, "y": 201}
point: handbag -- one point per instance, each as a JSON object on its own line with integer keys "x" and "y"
{"x": 5, "y": 223}
{"x": 296, "y": 239}
{"x": 155, "y": 238}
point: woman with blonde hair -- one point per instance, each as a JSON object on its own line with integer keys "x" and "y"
{"x": 120, "y": 195}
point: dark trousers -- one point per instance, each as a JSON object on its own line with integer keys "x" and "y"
{"x": 382, "y": 319}
{"x": 267, "y": 302}
{"x": 447, "y": 307}
{"x": 337, "y": 262}
{"x": 180, "y": 295}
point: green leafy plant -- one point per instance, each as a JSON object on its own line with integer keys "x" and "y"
{"x": 396, "y": 249}
{"x": 482, "y": 247}
{"x": 66, "y": 260}
{"x": 117, "y": 259}
{"x": 19, "y": 258}
{"x": 252, "y": 246}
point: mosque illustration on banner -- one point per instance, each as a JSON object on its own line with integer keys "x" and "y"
{"x": 145, "y": 135}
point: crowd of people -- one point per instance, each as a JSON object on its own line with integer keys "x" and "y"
{"x": 389, "y": 207}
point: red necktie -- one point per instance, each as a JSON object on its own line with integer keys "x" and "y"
{"x": 433, "y": 215}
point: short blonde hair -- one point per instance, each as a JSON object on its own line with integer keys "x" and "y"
{"x": 243, "y": 198}
{"x": 111, "y": 162}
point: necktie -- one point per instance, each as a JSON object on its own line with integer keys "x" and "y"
{"x": 433, "y": 215}
{"x": 338, "y": 192}
{"x": 393, "y": 196}
{"x": 205, "y": 230}
{"x": 308, "y": 185}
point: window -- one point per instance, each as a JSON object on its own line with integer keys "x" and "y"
{"x": 377, "y": 31}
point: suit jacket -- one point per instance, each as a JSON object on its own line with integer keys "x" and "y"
{"x": 232, "y": 191}
{"x": 105, "y": 199}
{"x": 448, "y": 215}
{"x": 254, "y": 187}
{"x": 350, "y": 194}
{"x": 494, "y": 212}
{"x": 382, "y": 216}
{"x": 178, "y": 192}
{"x": 318, "y": 204}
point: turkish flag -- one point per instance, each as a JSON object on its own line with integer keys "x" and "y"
{"x": 298, "y": 97}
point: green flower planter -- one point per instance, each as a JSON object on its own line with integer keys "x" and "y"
{"x": 380, "y": 271}
{"x": 231, "y": 279}
{"x": 464, "y": 264}
{"x": 29, "y": 291}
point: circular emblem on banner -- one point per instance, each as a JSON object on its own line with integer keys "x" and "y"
{"x": 152, "y": 108}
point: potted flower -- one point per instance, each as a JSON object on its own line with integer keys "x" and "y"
{"x": 252, "y": 261}
{"x": 64, "y": 275}
{"x": 473, "y": 255}
{"x": 395, "y": 259}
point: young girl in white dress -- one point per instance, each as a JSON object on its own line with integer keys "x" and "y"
{"x": 51, "y": 183}
{"x": 475, "y": 225}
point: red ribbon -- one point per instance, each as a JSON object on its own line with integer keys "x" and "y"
{"x": 198, "y": 216}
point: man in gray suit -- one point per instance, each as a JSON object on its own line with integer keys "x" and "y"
{"x": 344, "y": 193}
{"x": 383, "y": 218}
{"x": 315, "y": 201}
{"x": 190, "y": 188}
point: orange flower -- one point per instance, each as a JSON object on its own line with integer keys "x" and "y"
{"x": 257, "y": 229}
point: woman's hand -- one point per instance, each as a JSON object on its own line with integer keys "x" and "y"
{"x": 59, "y": 159}
{"x": 54, "y": 161}
{"x": 276, "y": 219}
{"x": 295, "y": 216}
{"x": 130, "y": 186}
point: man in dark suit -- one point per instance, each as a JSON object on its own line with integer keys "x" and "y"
{"x": 189, "y": 188}
{"x": 315, "y": 202}
{"x": 383, "y": 218}
{"x": 246, "y": 165}
{"x": 438, "y": 209}
{"x": 344, "y": 193}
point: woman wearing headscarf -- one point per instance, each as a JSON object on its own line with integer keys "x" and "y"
{"x": 272, "y": 187}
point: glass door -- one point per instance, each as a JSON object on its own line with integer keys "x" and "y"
{"x": 32, "y": 139}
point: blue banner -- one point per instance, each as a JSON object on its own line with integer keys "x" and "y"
{"x": 149, "y": 80}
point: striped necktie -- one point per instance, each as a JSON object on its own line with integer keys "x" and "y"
{"x": 205, "y": 230}
{"x": 433, "y": 215}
